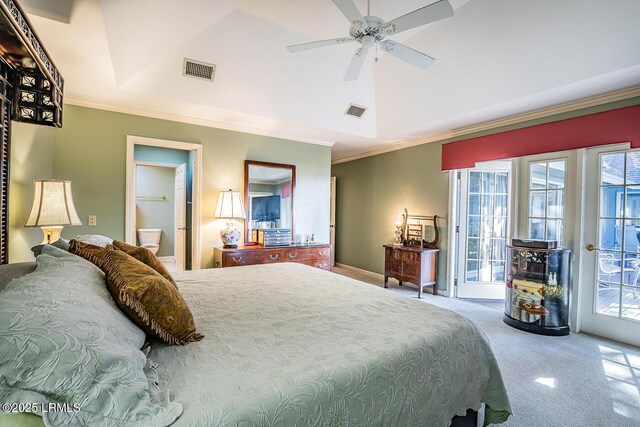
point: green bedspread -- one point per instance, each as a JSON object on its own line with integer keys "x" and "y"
{"x": 290, "y": 345}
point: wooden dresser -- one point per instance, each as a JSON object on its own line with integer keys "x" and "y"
{"x": 413, "y": 264}
{"x": 314, "y": 255}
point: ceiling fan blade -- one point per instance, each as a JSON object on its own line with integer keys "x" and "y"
{"x": 407, "y": 54}
{"x": 349, "y": 10}
{"x": 322, "y": 43}
{"x": 425, "y": 15}
{"x": 356, "y": 64}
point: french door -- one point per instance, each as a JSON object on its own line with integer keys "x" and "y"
{"x": 482, "y": 233}
{"x": 610, "y": 300}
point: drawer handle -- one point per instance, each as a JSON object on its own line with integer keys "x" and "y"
{"x": 236, "y": 259}
{"x": 323, "y": 253}
{"x": 293, "y": 255}
{"x": 273, "y": 256}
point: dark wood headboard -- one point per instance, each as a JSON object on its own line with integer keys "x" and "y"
{"x": 31, "y": 89}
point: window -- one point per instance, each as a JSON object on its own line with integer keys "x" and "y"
{"x": 546, "y": 200}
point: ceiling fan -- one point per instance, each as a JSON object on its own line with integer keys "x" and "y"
{"x": 370, "y": 31}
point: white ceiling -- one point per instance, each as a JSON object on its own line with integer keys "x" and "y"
{"x": 494, "y": 58}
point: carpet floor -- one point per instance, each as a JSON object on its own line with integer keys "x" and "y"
{"x": 578, "y": 380}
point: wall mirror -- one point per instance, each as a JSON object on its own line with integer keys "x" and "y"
{"x": 268, "y": 198}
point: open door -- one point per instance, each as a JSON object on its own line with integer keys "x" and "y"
{"x": 181, "y": 215}
{"x": 483, "y": 227}
{"x": 332, "y": 221}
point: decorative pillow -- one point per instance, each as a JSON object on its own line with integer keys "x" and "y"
{"x": 65, "y": 342}
{"x": 60, "y": 243}
{"x": 149, "y": 299}
{"x": 147, "y": 257}
{"x": 95, "y": 239}
{"x": 9, "y": 272}
{"x": 91, "y": 253}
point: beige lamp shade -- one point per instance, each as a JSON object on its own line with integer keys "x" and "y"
{"x": 230, "y": 205}
{"x": 52, "y": 205}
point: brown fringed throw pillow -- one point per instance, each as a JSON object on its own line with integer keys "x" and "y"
{"x": 92, "y": 253}
{"x": 149, "y": 299}
{"x": 147, "y": 257}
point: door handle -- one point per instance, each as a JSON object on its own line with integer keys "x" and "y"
{"x": 183, "y": 228}
{"x": 592, "y": 248}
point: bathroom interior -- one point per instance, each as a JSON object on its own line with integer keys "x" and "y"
{"x": 158, "y": 204}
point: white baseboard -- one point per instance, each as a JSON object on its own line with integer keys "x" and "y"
{"x": 360, "y": 270}
{"x": 167, "y": 259}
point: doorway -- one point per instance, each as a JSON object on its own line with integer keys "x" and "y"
{"x": 483, "y": 225}
{"x": 610, "y": 299}
{"x": 148, "y": 210}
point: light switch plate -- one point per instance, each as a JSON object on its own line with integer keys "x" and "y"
{"x": 92, "y": 220}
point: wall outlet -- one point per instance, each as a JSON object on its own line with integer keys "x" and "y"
{"x": 92, "y": 220}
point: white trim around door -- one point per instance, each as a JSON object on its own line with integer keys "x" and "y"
{"x": 130, "y": 210}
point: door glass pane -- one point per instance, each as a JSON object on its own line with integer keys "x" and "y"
{"x": 608, "y": 234}
{"x": 472, "y": 271}
{"x": 485, "y": 271}
{"x": 500, "y": 226}
{"x": 488, "y": 182}
{"x": 609, "y": 269}
{"x": 475, "y": 179}
{"x": 631, "y": 242}
{"x": 474, "y": 226}
{"x": 538, "y": 176}
{"x": 536, "y": 203}
{"x": 611, "y": 202}
{"x": 608, "y": 299}
{"x": 632, "y": 202}
{"x": 474, "y": 204}
{"x": 631, "y": 269}
{"x": 631, "y": 303}
{"x": 536, "y": 228}
{"x": 472, "y": 248}
{"x": 502, "y": 182}
{"x": 555, "y": 204}
{"x": 633, "y": 168}
{"x": 554, "y": 229}
{"x": 612, "y": 169}
{"x": 497, "y": 271}
{"x": 556, "y": 174}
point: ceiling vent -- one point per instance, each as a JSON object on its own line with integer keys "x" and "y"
{"x": 355, "y": 111}
{"x": 198, "y": 70}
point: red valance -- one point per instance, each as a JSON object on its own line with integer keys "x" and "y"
{"x": 608, "y": 127}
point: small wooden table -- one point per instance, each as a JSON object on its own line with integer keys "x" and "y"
{"x": 413, "y": 264}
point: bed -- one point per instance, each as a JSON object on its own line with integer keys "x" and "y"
{"x": 286, "y": 345}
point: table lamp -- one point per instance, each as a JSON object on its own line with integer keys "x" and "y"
{"x": 52, "y": 208}
{"x": 230, "y": 207}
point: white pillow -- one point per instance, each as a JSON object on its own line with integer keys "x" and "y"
{"x": 95, "y": 239}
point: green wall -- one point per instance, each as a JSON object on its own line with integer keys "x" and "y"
{"x": 90, "y": 150}
{"x": 155, "y": 213}
{"x": 371, "y": 192}
{"x": 31, "y": 156}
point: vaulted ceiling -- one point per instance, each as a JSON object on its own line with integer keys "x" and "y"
{"x": 494, "y": 58}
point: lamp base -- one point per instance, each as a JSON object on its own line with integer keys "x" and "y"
{"x": 51, "y": 234}
{"x": 230, "y": 236}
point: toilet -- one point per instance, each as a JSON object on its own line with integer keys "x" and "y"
{"x": 149, "y": 238}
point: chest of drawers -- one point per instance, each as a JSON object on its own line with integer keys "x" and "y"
{"x": 412, "y": 264}
{"x": 318, "y": 256}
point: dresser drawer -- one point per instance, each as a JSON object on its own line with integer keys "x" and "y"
{"x": 232, "y": 259}
{"x": 270, "y": 256}
{"x": 411, "y": 271}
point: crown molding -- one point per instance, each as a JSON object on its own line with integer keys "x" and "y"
{"x": 394, "y": 147}
{"x": 191, "y": 120}
{"x": 593, "y": 101}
